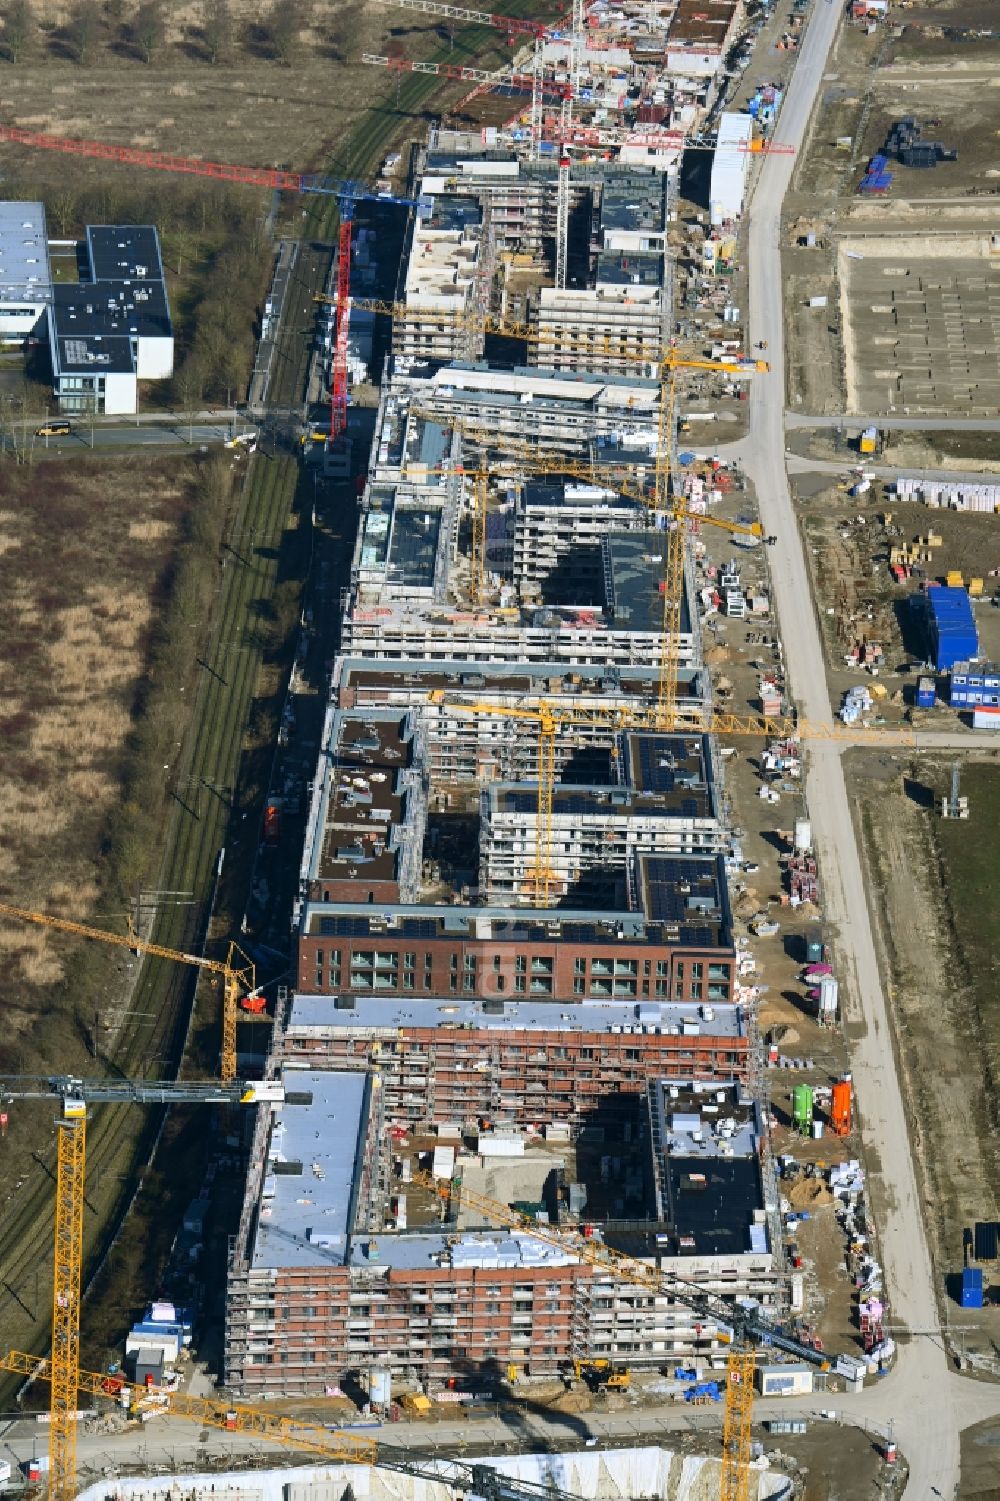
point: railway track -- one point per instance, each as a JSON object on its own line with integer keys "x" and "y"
{"x": 120, "y": 1138}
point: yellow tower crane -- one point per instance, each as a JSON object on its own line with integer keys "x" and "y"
{"x": 463, "y": 1477}
{"x": 743, "y": 1330}
{"x": 237, "y": 969}
{"x": 480, "y": 479}
{"x": 71, "y": 1167}
{"x": 664, "y": 364}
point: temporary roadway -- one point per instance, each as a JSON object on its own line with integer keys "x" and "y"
{"x": 926, "y": 1402}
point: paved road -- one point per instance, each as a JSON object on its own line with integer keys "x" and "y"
{"x": 926, "y": 1401}
{"x": 893, "y": 420}
{"x": 128, "y": 435}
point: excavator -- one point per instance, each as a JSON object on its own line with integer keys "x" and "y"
{"x": 602, "y": 1375}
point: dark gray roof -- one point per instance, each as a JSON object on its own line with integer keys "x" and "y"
{"x": 630, "y": 268}
{"x": 109, "y": 308}
{"x": 634, "y": 564}
{"x": 124, "y": 252}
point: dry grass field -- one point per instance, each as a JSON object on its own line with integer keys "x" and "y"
{"x": 86, "y": 553}
{"x": 250, "y": 109}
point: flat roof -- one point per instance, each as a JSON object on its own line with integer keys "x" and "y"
{"x": 413, "y": 546}
{"x": 663, "y": 763}
{"x": 689, "y": 894}
{"x": 124, "y": 252}
{"x": 451, "y": 211}
{"x": 634, "y": 565}
{"x": 392, "y": 1013}
{"x": 683, "y": 900}
{"x": 607, "y": 803}
{"x": 313, "y": 1159}
{"x": 630, "y": 268}
{"x": 93, "y": 354}
{"x": 464, "y": 675}
{"x": 362, "y": 800}
{"x": 706, "y": 1167}
{"x": 638, "y": 202}
{"x": 24, "y": 253}
{"x": 702, "y": 22}
{"x": 570, "y": 494}
{"x": 86, "y": 309}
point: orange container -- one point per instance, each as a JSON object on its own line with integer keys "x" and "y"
{"x": 840, "y": 1108}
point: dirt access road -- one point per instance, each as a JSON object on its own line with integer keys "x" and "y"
{"x": 928, "y": 1404}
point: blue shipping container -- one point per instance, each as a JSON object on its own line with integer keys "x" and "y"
{"x": 952, "y": 628}
{"x": 926, "y": 693}
{"x": 972, "y": 1287}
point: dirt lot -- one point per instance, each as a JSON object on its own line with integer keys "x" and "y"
{"x": 939, "y": 943}
{"x": 808, "y": 1052}
{"x": 980, "y": 1451}
{"x": 914, "y": 68}
{"x": 847, "y": 548}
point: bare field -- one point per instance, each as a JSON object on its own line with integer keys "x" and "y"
{"x": 929, "y": 894}
{"x": 76, "y": 638}
{"x": 250, "y": 110}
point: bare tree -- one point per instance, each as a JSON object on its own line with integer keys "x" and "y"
{"x": 283, "y": 23}
{"x": 20, "y": 29}
{"x": 83, "y": 30}
{"x": 217, "y": 31}
{"x": 148, "y": 29}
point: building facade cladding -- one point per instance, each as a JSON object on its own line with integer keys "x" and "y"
{"x": 478, "y": 747}
{"x": 294, "y": 1331}
{"x": 446, "y": 1075}
{"x": 304, "y": 1327}
{"x": 565, "y": 967}
{"x": 552, "y": 522}
{"x": 592, "y": 830}
{"x": 608, "y": 330}
{"x": 565, "y": 413}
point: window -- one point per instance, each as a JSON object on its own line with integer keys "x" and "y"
{"x": 520, "y": 984}
{"x": 453, "y": 962}
{"x": 718, "y": 971}
{"x": 497, "y": 961}
{"x": 470, "y": 963}
{"x": 579, "y": 966}
{"x": 541, "y": 965}
{"x": 520, "y": 964}
{"x": 501, "y": 983}
{"x": 469, "y": 983}
{"x": 697, "y": 969}
{"x": 409, "y": 960}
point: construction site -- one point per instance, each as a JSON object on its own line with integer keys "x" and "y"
{"x": 541, "y": 1114}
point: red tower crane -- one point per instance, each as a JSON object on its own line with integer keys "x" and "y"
{"x": 349, "y": 193}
